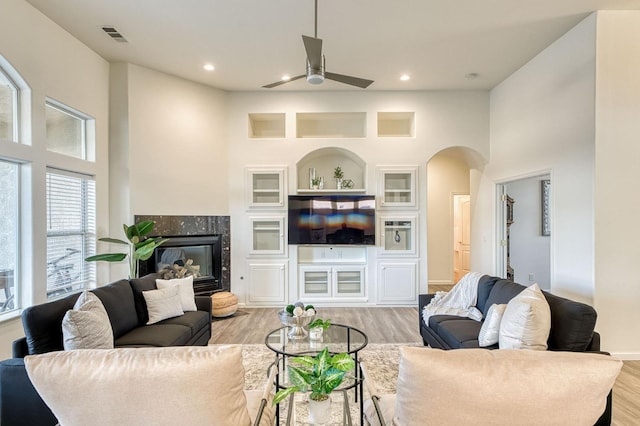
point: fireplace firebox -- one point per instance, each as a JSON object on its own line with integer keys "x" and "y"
{"x": 200, "y": 255}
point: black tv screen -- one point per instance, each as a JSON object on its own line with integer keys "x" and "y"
{"x": 332, "y": 219}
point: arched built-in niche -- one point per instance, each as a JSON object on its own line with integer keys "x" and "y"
{"x": 324, "y": 161}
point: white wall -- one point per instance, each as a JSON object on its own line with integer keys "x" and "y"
{"x": 542, "y": 119}
{"x": 617, "y": 205}
{"x": 529, "y": 250}
{"x": 447, "y": 174}
{"x": 56, "y": 65}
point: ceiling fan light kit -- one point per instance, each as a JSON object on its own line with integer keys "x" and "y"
{"x": 315, "y": 72}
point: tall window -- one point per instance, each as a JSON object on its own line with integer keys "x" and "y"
{"x": 9, "y": 196}
{"x": 8, "y": 108}
{"x": 71, "y": 230}
{"x": 66, "y": 130}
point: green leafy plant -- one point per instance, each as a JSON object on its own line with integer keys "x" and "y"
{"x": 338, "y": 173}
{"x": 140, "y": 246}
{"x": 324, "y": 324}
{"x": 321, "y": 374}
{"x": 316, "y": 181}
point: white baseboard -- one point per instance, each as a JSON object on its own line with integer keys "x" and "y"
{"x": 626, "y": 356}
{"x": 440, "y": 282}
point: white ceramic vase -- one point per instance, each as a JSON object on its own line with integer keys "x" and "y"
{"x": 319, "y": 411}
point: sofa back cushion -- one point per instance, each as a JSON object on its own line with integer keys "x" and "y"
{"x": 138, "y": 285}
{"x": 501, "y": 293}
{"x": 143, "y": 386}
{"x": 117, "y": 299}
{"x": 43, "y": 324}
{"x": 485, "y": 285}
{"x": 572, "y": 324}
{"x": 504, "y": 387}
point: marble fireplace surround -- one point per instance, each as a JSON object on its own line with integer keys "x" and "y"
{"x": 183, "y": 226}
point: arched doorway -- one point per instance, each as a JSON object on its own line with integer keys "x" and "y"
{"x": 449, "y": 214}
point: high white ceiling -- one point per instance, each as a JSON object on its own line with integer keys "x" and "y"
{"x": 254, "y": 42}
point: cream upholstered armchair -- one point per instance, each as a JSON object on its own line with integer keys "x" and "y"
{"x": 500, "y": 387}
{"x": 159, "y": 386}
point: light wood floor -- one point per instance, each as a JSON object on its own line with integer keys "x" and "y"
{"x": 400, "y": 325}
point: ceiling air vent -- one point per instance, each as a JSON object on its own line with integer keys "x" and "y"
{"x": 114, "y": 34}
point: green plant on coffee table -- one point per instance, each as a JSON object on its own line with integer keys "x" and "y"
{"x": 324, "y": 324}
{"x": 141, "y": 247}
{"x": 321, "y": 374}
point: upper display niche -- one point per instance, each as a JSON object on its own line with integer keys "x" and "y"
{"x": 324, "y": 161}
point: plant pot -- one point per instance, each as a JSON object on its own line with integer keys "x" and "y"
{"x": 315, "y": 333}
{"x": 319, "y": 411}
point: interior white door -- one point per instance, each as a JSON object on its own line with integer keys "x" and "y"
{"x": 461, "y": 236}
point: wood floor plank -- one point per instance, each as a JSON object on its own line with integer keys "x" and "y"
{"x": 399, "y": 325}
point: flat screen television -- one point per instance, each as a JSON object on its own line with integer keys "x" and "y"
{"x": 332, "y": 219}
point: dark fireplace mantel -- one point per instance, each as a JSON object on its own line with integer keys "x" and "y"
{"x": 200, "y": 228}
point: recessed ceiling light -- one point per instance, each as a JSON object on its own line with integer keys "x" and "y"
{"x": 209, "y": 67}
{"x": 405, "y": 77}
{"x": 286, "y": 77}
{"x": 471, "y": 76}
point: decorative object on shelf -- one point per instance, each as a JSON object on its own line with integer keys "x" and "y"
{"x": 347, "y": 184}
{"x": 315, "y": 183}
{"x": 397, "y": 238}
{"x": 338, "y": 174}
{"x": 297, "y": 317}
{"x": 321, "y": 182}
{"x": 312, "y": 176}
{"x": 140, "y": 246}
{"x": 317, "y": 327}
{"x": 320, "y": 374}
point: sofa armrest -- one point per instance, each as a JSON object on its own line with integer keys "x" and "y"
{"x": 423, "y": 300}
{"x": 20, "y": 403}
{"x": 19, "y": 348}
{"x": 203, "y": 303}
{"x": 594, "y": 345}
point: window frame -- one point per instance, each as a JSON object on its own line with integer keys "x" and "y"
{"x": 16, "y": 90}
{"x": 84, "y": 121}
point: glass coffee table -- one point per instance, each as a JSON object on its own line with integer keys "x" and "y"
{"x": 338, "y": 338}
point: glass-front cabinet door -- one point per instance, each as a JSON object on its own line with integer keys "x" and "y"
{"x": 397, "y": 187}
{"x": 348, "y": 281}
{"x": 398, "y": 235}
{"x": 267, "y": 235}
{"x": 266, "y": 187}
{"x": 315, "y": 281}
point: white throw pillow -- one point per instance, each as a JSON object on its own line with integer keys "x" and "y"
{"x": 490, "y": 330}
{"x": 143, "y": 386}
{"x": 526, "y": 322}
{"x": 502, "y": 387}
{"x": 162, "y": 304}
{"x": 185, "y": 290}
{"x": 87, "y": 325}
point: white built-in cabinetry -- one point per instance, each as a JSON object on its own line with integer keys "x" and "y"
{"x": 266, "y": 262}
{"x": 398, "y": 234}
{"x": 331, "y": 274}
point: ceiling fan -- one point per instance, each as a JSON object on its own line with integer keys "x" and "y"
{"x": 316, "y": 73}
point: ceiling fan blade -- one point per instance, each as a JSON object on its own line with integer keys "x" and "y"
{"x": 281, "y": 82}
{"x": 354, "y": 81}
{"x": 313, "y": 46}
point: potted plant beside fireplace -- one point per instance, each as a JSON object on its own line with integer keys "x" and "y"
{"x": 321, "y": 374}
{"x": 141, "y": 247}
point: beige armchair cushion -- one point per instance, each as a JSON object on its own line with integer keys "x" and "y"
{"x": 502, "y": 387}
{"x": 143, "y": 386}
